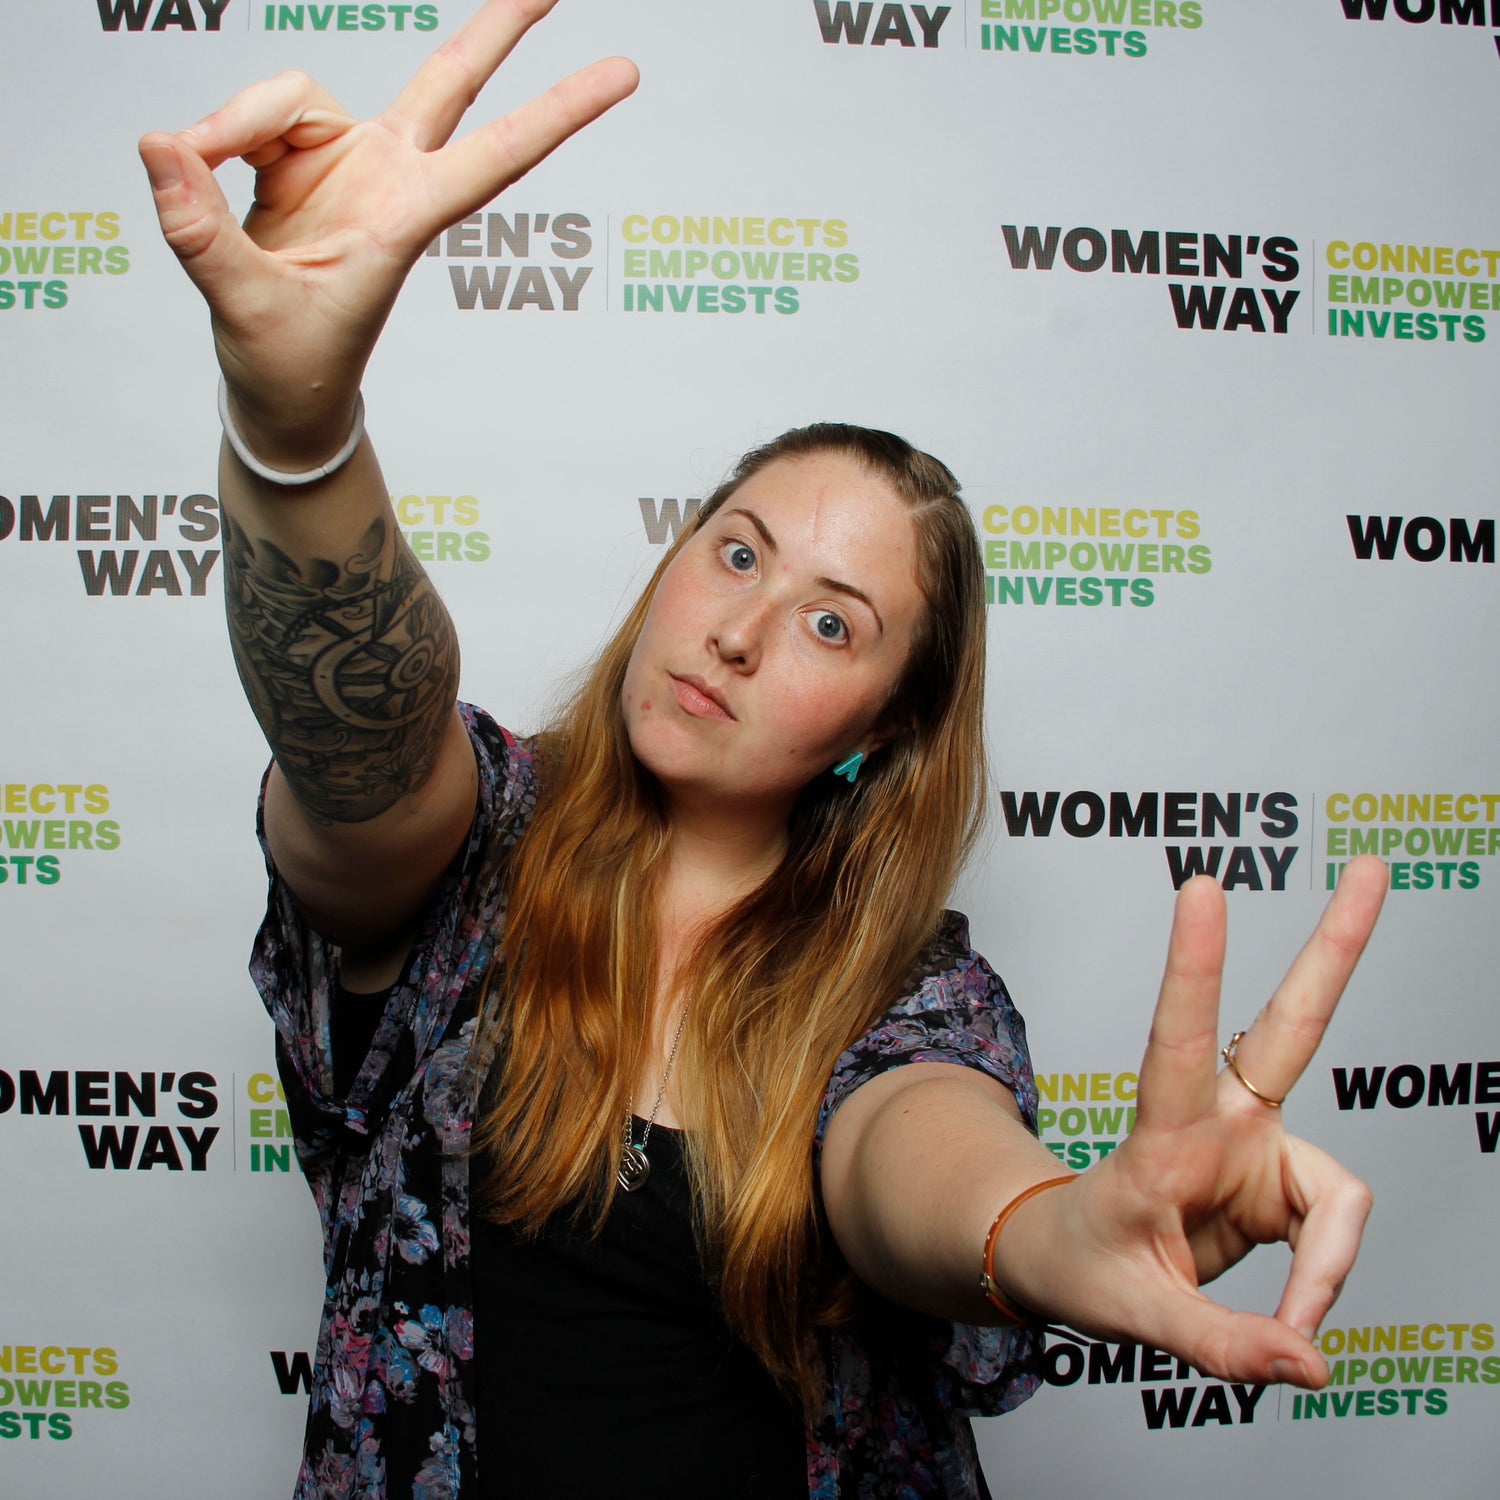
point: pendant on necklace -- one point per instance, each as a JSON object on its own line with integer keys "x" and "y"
{"x": 634, "y": 1169}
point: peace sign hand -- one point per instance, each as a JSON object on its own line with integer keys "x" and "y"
{"x": 342, "y": 210}
{"x": 1209, "y": 1172}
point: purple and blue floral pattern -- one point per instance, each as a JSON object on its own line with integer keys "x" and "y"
{"x": 391, "y": 1413}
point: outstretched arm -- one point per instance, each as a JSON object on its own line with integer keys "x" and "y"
{"x": 347, "y": 655}
{"x": 917, "y": 1162}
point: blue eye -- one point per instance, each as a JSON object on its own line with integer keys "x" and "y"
{"x": 739, "y": 557}
{"x": 830, "y": 627}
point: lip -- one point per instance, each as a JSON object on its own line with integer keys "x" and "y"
{"x": 699, "y": 698}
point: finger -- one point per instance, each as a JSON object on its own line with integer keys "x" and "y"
{"x": 467, "y": 174}
{"x": 428, "y": 109}
{"x": 290, "y": 107}
{"x": 1337, "y": 1204}
{"x": 1177, "y": 1074}
{"x": 195, "y": 217}
{"x": 1285, "y": 1035}
{"x": 1238, "y": 1346}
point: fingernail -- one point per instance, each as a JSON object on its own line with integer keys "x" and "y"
{"x": 162, "y": 167}
{"x": 1287, "y": 1372}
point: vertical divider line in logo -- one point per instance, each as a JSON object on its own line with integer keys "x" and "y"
{"x": 966, "y": 25}
{"x": 1312, "y": 844}
{"x": 234, "y": 1121}
{"x": 1313, "y": 313}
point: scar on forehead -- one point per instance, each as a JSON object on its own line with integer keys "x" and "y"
{"x": 817, "y": 511}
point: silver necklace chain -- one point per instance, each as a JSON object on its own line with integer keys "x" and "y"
{"x": 634, "y": 1168}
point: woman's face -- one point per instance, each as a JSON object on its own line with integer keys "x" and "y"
{"x": 776, "y": 636}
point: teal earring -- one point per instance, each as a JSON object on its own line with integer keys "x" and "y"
{"x": 849, "y": 768}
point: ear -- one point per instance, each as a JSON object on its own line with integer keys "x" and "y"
{"x": 892, "y": 726}
{"x": 849, "y": 767}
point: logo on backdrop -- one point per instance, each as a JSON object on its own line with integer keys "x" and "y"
{"x": 1410, "y": 293}
{"x": 133, "y": 1103}
{"x": 442, "y": 528}
{"x": 711, "y": 264}
{"x": 1093, "y": 28}
{"x": 526, "y": 262}
{"x": 1422, "y": 538}
{"x": 208, "y": 15}
{"x": 44, "y": 825}
{"x": 293, "y": 1370}
{"x": 1440, "y": 1085}
{"x": 1173, "y": 1395}
{"x": 1082, "y": 1117}
{"x": 136, "y": 570}
{"x": 857, "y": 25}
{"x": 44, "y": 251}
{"x": 544, "y": 262}
{"x": 268, "y": 1126}
{"x": 162, "y": 15}
{"x": 1399, "y": 1369}
{"x": 1402, "y": 1369}
{"x": 1087, "y": 555}
{"x": 664, "y": 519}
{"x": 1420, "y": 12}
{"x": 359, "y": 17}
{"x": 1209, "y": 292}
{"x": 1431, "y": 841}
{"x": 52, "y": 1390}
{"x": 1219, "y": 818}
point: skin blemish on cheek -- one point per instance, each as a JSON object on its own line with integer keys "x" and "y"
{"x": 646, "y": 706}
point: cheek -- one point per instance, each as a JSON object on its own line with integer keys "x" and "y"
{"x": 820, "y": 718}
{"x": 668, "y": 623}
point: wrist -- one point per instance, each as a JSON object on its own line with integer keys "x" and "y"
{"x": 294, "y": 457}
{"x": 1013, "y": 1294}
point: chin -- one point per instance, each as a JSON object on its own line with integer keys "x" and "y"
{"x": 651, "y": 743}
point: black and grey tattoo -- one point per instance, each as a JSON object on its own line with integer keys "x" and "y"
{"x": 351, "y": 668}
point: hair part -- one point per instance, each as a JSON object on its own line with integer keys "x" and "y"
{"x": 780, "y": 985}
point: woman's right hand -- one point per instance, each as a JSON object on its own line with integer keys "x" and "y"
{"x": 342, "y": 210}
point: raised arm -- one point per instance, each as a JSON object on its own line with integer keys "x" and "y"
{"x": 347, "y": 655}
{"x": 918, "y": 1162}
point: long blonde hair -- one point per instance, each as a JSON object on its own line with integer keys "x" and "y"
{"x": 779, "y": 986}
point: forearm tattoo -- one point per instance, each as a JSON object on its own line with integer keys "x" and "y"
{"x": 351, "y": 668}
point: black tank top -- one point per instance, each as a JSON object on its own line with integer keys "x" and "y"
{"x": 615, "y": 1376}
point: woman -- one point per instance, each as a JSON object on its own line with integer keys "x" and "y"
{"x": 740, "y": 1223}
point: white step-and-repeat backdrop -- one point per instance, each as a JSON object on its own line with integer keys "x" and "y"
{"x": 1201, "y": 301}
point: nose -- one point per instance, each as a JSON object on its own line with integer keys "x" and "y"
{"x": 738, "y": 636}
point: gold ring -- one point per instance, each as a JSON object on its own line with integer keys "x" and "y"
{"x": 1228, "y": 1055}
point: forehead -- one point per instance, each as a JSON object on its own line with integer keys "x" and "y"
{"x": 833, "y": 516}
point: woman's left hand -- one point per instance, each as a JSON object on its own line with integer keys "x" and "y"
{"x": 1209, "y": 1172}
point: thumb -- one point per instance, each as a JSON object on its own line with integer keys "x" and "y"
{"x": 1238, "y": 1346}
{"x": 195, "y": 218}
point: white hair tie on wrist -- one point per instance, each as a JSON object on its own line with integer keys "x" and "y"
{"x": 276, "y": 476}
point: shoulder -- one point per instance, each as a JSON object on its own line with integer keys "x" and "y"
{"x": 951, "y": 1007}
{"x": 950, "y": 988}
{"x": 507, "y": 765}
{"x": 949, "y": 967}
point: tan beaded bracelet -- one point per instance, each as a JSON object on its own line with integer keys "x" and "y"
{"x": 987, "y": 1265}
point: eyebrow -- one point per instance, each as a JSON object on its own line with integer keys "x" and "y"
{"x": 827, "y": 583}
{"x": 757, "y": 523}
